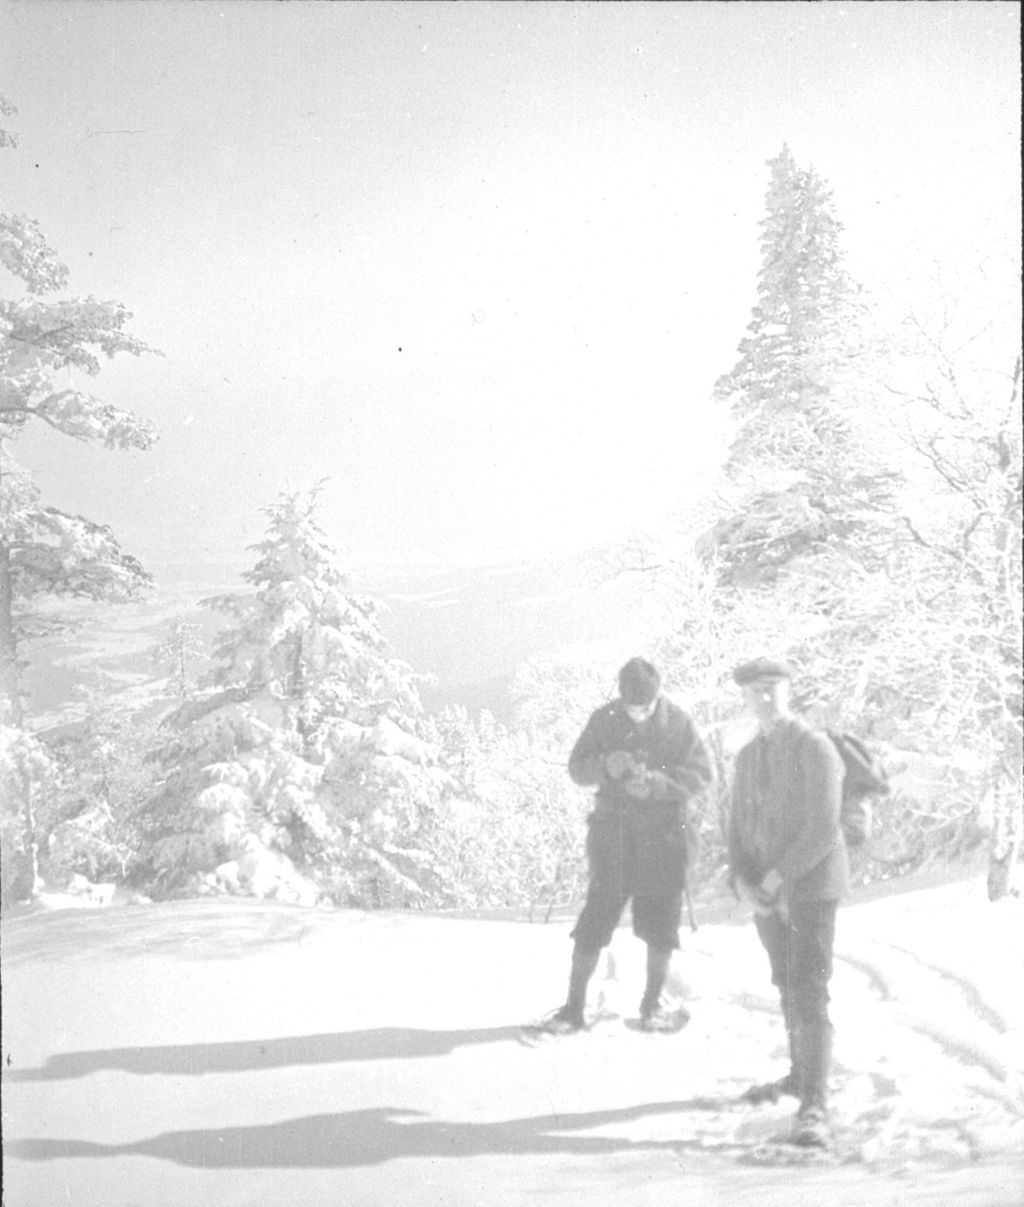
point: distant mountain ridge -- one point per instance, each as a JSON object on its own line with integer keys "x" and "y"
{"x": 467, "y": 629}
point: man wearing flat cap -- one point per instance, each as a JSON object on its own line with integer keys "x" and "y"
{"x": 645, "y": 759}
{"x": 787, "y": 856}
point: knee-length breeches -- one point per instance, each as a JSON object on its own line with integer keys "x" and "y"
{"x": 639, "y": 854}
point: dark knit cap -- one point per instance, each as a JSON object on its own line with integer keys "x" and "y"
{"x": 760, "y": 668}
{"x": 639, "y": 682}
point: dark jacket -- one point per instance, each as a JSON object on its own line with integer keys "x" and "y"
{"x": 668, "y": 743}
{"x": 786, "y": 795}
{"x": 649, "y": 844}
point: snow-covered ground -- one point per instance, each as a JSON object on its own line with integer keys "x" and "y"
{"x": 243, "y": 1053}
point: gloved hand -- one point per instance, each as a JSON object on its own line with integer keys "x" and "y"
{"x": 637, "y": 781}
{"x": 658, "y": 783}
{"x": 638, "y": 786}
{"x": 764, "y": 902}
{"x": 642, "y": 784}
{"x": 753, "y": 895}
{"x": 618, "y": 763}
{"x": 771, "y": 885}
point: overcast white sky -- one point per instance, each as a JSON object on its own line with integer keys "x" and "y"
{"x": 476, "y": 264}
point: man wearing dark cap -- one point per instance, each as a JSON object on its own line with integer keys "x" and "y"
{"x": 647, "y": 762}
{"x": 788, "y": 858}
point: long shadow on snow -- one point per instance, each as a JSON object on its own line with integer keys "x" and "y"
{"x": 241, "y": 1056}
{"x": 371, "y": 1137}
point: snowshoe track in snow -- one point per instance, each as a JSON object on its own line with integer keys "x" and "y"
{"x": 972, "y": 995}
{"x": 927, "y": 1066}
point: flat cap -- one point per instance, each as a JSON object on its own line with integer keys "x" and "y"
{"x": 761, "y": 668}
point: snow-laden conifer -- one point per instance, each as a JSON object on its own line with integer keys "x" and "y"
{"x": 46, "y": 348}
{"x": 804, "y": 470}
{"x": 301, "y": 771}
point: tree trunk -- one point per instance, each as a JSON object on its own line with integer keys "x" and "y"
{"x": 10, "y": 697}
{"x": 1004, "y": 853}
{"x": 32, "y": 879}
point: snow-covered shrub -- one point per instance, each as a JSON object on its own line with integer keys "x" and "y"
{"x": 512, "y": 834}
{"x": 87, "y": 845}
{"x": 29, "y": 786}
{"x": 104, "y": 779}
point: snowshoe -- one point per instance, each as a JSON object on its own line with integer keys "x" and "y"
{"x": 663, "y": 1020}
{"x": 809, "y": 1141}
{"x": 781, "y": 1152}
{"x": 659, "y": 1020}
{"x": 557, "y": 1025}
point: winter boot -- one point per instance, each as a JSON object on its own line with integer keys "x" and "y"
{"x": 772, "y": 1091}
{"x": 657, "y": 971}
{"x": 814, "y": 1050}
{"x": 571, "y": 1017}
{"x": 654, "y": 1015}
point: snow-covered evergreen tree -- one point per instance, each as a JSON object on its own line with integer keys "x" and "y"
{"x": 303, "y": 764}
{"x": 802, "y": 466}
{"x": 89, "y": 828}
{"x": 872, "y": 527}
{"x": 803, "y": 323}
{"x": 44, "y": 347}
{"x": 180, "y": 648}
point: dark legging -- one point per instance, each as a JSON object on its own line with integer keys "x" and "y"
{"x": 800, "y": 953}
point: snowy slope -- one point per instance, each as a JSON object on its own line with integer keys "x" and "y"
{"x": 238, "y": 1052}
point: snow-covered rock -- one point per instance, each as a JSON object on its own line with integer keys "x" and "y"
{"x": 228, "y": 875}
{"x": 93, "y": 894}
{"x": 262, "y": 872}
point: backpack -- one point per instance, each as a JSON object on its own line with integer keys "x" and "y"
{"x": 864, "y": 777}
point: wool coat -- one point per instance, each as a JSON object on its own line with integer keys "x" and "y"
{"x": 655, "y": 836}
{"x": 784, "y": 813}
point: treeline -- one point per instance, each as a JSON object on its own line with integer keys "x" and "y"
{"x": 865, "y": 524}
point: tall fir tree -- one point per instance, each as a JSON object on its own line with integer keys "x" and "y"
{"x": 801, "y": 464}
{"x": 800, "y": 330}
{"x": 871, "y": 527}
{"x": 305, "y": 754}
{"x": 178, "y": 651}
